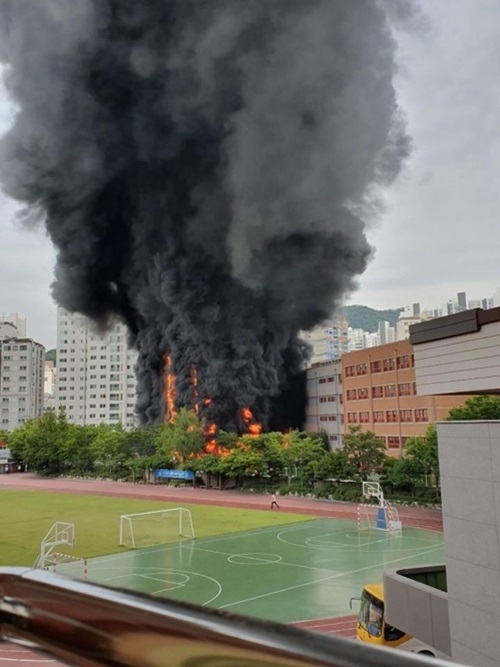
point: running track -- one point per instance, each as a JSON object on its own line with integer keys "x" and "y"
{"x": 12, "y": 656}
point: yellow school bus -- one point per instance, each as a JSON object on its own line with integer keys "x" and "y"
{"x": 373, "y": 628}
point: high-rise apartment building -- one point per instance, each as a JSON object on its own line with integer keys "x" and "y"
{"x": 95, "y": 380}
{"x": 15, "y": 320}
{"x": 386, "y": 333}
{"x": 49, "y": 386}
{"x": 379, "y": 394}
{"x": 328, "y": 341}
{"x": 324, "y": 409}
{"x": 21, "y": 381}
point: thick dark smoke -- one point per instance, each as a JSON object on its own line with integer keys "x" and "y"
{"x": 205, "y": 169}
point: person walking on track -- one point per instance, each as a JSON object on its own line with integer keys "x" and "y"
{"x": 274, "y": 501}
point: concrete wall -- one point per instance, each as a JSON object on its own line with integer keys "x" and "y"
{"x": 469, "y": 456}
{"x": 465, "y": 364}
{"x": 419, "y": 610}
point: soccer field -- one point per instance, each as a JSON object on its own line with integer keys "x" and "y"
{"x": 28, "y": 515}
{"x": 306, "y": 570}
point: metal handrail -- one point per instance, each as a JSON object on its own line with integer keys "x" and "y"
{"x": 89, "y": 625}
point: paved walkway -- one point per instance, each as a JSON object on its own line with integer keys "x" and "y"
{"x": 11, "y": 656}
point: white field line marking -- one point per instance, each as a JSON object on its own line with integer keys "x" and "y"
{"x": 188, "y": 543}
{"x": 345, "y": 548}
{"x": 281, "y": 562}
{"x": 318, "y": 581}
{"x": 194, "y": 574}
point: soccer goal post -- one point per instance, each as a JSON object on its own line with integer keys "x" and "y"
{"x": 144, "y": 529}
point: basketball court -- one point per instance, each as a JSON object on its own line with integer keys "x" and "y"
{"x": 307, "y": 570}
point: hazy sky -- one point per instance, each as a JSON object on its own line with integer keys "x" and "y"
{"x": 439, "y": 232}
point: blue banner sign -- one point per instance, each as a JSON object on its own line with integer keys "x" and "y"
{"x": 174, "y": 474}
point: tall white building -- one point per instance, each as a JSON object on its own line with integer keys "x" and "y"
{"x": 17, "y": 321}
{"x": 328, "y": 341}
{"x": 49, "y": 386}
{"x": 324, "y": 409}
{"x": 95, "y": 380}
{"x": 387, "y": 334}
{"x": 21, "y": 381}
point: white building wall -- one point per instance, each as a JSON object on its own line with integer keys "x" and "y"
{"x": 464, "y": 364}
{"x": 324, "y": 409}
{"x": 21, "y": 381}
{"x": 18, "y": 322}
{"x": 469, "y": 458}
{"x": 95, "y": 372}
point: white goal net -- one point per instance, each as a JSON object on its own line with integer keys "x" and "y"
{"x": 145, "y": 529}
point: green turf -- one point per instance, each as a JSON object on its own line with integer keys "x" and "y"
{"x": 28, "y": 515}
{"x": 286, "y": 573}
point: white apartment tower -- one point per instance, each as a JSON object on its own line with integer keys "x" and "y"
{"x": 21, "y": 381}
{"x": 324, "y": 409}
{"x": 95, "y": 381}
{"x": 328, "y": 341}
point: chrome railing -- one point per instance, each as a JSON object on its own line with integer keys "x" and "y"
{"x": 87, "y": 625}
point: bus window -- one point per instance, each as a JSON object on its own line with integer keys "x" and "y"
{"x": 371, "y": 614}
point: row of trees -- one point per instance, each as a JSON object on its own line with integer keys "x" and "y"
{"x": 51, "y": 445}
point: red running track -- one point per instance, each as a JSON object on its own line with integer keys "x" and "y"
{"x": 430, "y": 519}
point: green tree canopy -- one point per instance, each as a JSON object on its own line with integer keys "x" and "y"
{"x": 477, "y": 407}
{"x": 364, "y": 451}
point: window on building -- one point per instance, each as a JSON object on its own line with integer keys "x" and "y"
{"x": 389, "y": 365}
{"x": 350, "y": 371}
{"x": 363, "y": 393}
{"x": 389, "y": 390}
{"x": 351, "y": 394}
{"x": 361, "y": 369}
{"x": 322, "y": 399}
{"x": 412, "y": 359}
{"x": 421, "y": 415}
{"x": 331, "y": 399}
{"x": 332, "y": 438}
{"x": 377, "y": 392}
{"x": 414, "y": 388}
{"x": 332, "y": 418}
{"x": 378, "y": 416}
{"x": 406, "y": 416}
{"x": 391, "y": 416}
{"x": 364, "y": 417}
{"x": 376, "y": 366}
{"x": 352, "y": 417}
{"x": 403, "y": 362}
{"x": 323, "y": 418}
{"x": 393, "y": 442}
{"x": 404, "y": 389}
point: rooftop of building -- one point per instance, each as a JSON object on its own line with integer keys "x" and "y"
{"x": 449, "y": 326}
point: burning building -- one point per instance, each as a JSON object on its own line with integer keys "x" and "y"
{"x": 206, "y": 171}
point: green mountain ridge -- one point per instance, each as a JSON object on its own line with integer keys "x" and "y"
{"x": 363, "y": 317}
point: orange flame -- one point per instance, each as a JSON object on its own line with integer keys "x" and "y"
{"x": 194, "y": 382}
{"x": 253, "y": 427}
{"x": 170, "y": 390}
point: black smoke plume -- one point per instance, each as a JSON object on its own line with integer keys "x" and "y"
{"x": 205, "y": 169}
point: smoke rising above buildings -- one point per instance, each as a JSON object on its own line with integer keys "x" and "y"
{"x": 206, "y": 171}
